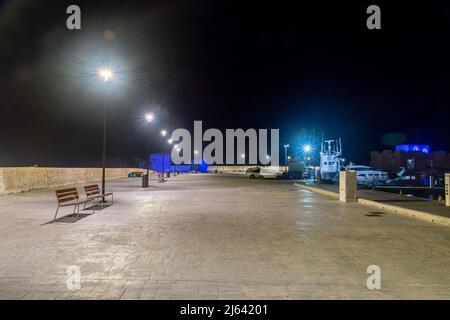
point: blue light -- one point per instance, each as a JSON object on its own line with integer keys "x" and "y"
{"x": 156, "y": 164}
{"x": 204, "y": 167}
{"x": 413, "y": 147}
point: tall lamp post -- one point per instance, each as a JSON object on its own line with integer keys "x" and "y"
{"x": 163, "y": 133}
{"x": 149, "y": 118}
{"x": 307, "y": 149}
{"x": 170, "y": 141}
{"x": 105, "y": 75}
{"x": 286, "y": 146}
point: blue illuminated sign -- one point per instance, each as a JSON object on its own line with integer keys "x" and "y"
{"x": 413, "y": 147}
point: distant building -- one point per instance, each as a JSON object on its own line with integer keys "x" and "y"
{"x": 413, "y": 147}
{"x": 416, "y": 158}
{"x": 160, "y": 162}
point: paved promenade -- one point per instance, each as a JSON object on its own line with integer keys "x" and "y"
{"x": 218, "y": 237}
{"x": 393, "y": 199}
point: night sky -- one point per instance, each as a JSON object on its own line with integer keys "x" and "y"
{"x": 305, "y": 69}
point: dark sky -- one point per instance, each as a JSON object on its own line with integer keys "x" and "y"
{"x": 302, "y": 68}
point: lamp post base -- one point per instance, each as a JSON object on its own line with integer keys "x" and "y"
{"x": 145, "y": 181}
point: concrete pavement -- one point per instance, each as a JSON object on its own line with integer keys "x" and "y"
{"x": 218, "y": 237}
{"x": 407, "y": 205}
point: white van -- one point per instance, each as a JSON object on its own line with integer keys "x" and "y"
{"x": 257, "y": 172}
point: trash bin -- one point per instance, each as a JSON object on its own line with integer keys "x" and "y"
{"x": 168, "y": 174}
{"x": 144, "y": 181}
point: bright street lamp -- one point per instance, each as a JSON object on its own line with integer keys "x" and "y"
{"x": 286, "y": 158}
{"x": 169, "y": 141}
{"x": 105, "y": 74}
{"x": 307, "y": 148}
{"x": 164, "y": 133}
{"x": 149, "y": 117}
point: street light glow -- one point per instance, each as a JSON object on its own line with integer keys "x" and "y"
{"x": 105, "y": 74}
{"x": 307, "y": 148}
{"x": 170, "y": 141}
{"x": 163, "y": 132}
{"x": 195, "y": 152}
{"x": 149, "y": 117}
{"x": 243, "y": 155}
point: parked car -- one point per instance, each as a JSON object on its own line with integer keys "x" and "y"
{"x": 270, "y": 173}
{"x": 253, "y": 173}
{"x": 135, "y": 174}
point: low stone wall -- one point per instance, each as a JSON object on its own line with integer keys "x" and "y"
{"x": 14, "y": 180}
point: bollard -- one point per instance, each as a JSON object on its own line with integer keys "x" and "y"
{"x": 447, "y": 189}
{"x": 347, "y": 186}
{"x": 145, "y": 181}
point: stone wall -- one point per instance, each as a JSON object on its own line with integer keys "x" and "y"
{"x": 13, "y": 180}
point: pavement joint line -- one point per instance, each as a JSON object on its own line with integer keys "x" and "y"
{"x": 422, "y": 215}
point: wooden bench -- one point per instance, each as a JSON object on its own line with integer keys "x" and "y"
{"x": 69, "y": 197}
{"x": 93, "y": 193}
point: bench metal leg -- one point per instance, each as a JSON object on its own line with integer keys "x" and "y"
{"x": 57, "y": 209}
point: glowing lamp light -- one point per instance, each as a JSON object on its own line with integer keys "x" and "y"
{"x": 170, "y": 141}
{"x": 149, "y": 117}
{"x": 195, "y": 152}
{"x": 163, "y": 133}
{"x": 307, "y": 148}
{"x": 105, "y": 74}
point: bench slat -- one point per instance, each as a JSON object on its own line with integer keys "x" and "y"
{"x": 66, "y": 190}
{"x": 66, "y": 195}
